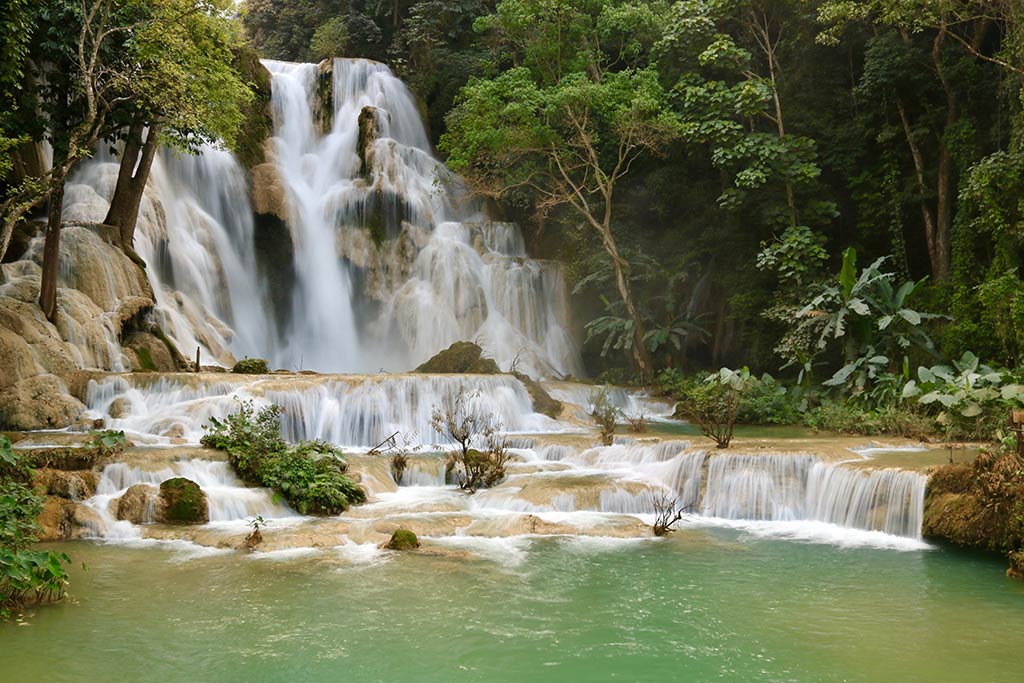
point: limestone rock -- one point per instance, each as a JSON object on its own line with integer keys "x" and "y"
{"x": 40, "y": 402}
{"x": 138, "y": 505}
{"x": 86, "y": 522}
{"x": 543, "y": 403}
{"x": 460, "y": 357}
{"x": 70, "y": 485}
{"x": 182, "y": 502}
{"x": 55, "y": 521}
{"x": 269, "y": 195}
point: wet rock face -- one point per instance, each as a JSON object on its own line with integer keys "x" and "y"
{"x": 182, "y": 502}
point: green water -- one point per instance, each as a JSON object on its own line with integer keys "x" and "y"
{"x": 703, "y": 606}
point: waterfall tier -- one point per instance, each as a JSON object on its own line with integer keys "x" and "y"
{"x": 380, "y": 258}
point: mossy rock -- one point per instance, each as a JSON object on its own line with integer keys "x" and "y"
{"x": 251, "y": 366}
{"x": 403, "y": 539}
{"x": 543, "y": 403}
{"x": 182, "y": 502}
{"x": 459, "y": 358}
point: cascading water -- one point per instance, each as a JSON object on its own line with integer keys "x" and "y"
{"x": 393, "y": 261}
{"x": 802, "y": 488}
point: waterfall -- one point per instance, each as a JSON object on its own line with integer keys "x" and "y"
{"x": 392, "y": 260}
{"x": 804, "y": 488}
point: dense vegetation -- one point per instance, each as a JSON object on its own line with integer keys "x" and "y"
{"x": 310, "y": 475}
{"x": 824, "y": 190}
{"x": 27, "y": 575}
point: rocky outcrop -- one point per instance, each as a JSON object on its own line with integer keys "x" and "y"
{"x": 369, "y": 133}
{"x": 102, "y": 293}
{"x": 467, "y": 358}
{"x": 269, "y": 194}
{"x": 56, "y": 520}
{"x": 979, "y": 506}
{"x": 182, "y": 502}
{"x": 70, "y": 485}
{"x": 251, "y": 366}
{"x": 258, "y": 122}
{"x": 460, "y": 358}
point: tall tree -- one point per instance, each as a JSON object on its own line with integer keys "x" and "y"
{"x": 570, "y": 123}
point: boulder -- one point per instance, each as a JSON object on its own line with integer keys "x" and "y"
{"x": 138, "y": 505}
{"x": 151, "y": 353}
{"x": 85, "y": 522}
{"x": 182, "y": 502}
{"x": 402, "y": 539}
{"x": 55, "y": 521}
{"x": 460, "y": 358}
{"x": 251, "y": 366}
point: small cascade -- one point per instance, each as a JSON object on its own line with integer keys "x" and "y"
{"x": 631, "y": 403}
{"x": 804, "y": 488}
{"x": 353, "y": 412}
{"x": 424, "y": 471}
{"x": 227, "y": 497}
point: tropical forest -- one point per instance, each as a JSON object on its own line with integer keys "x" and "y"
{"x": 505, "y": 340}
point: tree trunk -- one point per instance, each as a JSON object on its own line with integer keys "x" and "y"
{"x": 641, "y": 355}
{"x": 131, "y": 182}
{"x": 51, "y": 255}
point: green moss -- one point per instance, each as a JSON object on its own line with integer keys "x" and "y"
{"x": 258, "y": 123}
{"x": 251, "y": 366}
{"x": 184, "y": 501}
{"x": 145, "y": 359}
{"x": 403, "y": 539}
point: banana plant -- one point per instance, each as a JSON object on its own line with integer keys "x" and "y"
{"x": 966, "y": 388}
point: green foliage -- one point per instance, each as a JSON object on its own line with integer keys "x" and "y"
{"x": 309, "y": 475}
{"x": 605, "y": 414}
{"x": 27, "y": 576}
{"x": 714, "y": 404}
{"x": 844, "y": 417}
{"x": 107, "y": 442}
{"x": 329, "y": 40}
{"x": 251, "y": 366}
{"x": 968, "y": 398}
{"x": 765, "y": 401}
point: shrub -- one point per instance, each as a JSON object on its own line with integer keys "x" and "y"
{"x": 765, "y": 401}
{"x": 309, "y": 475}
{"x": 714, "y": 404}
{"x": 26, "y": 576}
{"x": 464, "y": 423}
{"x": 605, "y": 414}
{"x": 847, "y": 418}
{"x": 251, "y": 366}
{"x": 107, "y": 442}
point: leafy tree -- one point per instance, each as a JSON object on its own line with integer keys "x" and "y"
{"x": 569, "y": 124}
